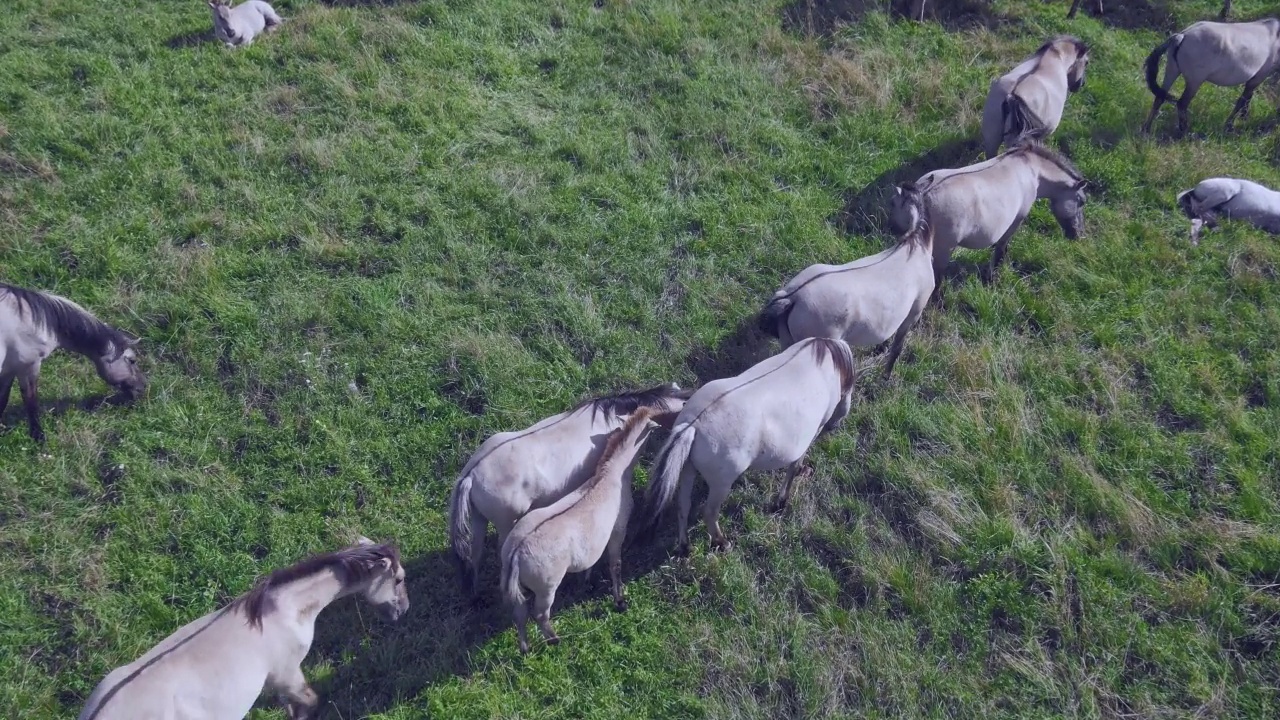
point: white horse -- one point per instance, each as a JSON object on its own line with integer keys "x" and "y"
{"x": 1030, "y": 98}
{"x": 1233, "y": 199}
{"x": 865, "y": 302}
{"x": 764, "y": 419}
{"x": 34, "y": 324}
{"x": 983, "y": 205}
{"x": 239, "y": 25}
{"x": 571, "y": 534}
{"x": 214, "y": 668}
{"x": 515, "y": 472}
{"x": 1223, "y": 54}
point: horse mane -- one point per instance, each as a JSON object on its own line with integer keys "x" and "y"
{"x": 75, "y": 327}
{"x": 632, "y": 400}
{"x": 351, "y": 565}
{"x": 840, "y": 356}
{"x": 1080, "y": 47}
{"x": 614, "y": 443}
{"x": 1029, "y": 145}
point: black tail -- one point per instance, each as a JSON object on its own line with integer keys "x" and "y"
{"x": 774, "y": 314}
{"x": 1020, "y": 121}
{"x": 1153, "y": 70}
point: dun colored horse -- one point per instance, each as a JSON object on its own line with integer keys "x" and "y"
{"x": 239, "y": 25}
{"x": 1233, "y": 199}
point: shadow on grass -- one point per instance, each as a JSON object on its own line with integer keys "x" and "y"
{"x": 819, "y": 18}
{"x": 1132, "y": 14}
{"x": 191, "y": 39}
{"x": 865, "y": 211}
{"x": 734, "y": 353}
{"x": 17, "y": 417}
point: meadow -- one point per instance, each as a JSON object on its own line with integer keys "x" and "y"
{"x": 361, "y": 245}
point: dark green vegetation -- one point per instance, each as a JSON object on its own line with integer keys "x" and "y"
{"x": 361, "y": 245}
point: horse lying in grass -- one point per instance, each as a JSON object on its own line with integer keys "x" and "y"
{"x": 981, "y": 206}
{"x": 764, "y": 419}
{"x": 1223, "y": 54}
{"x": 214, "y": 668}
{"x": 1029, "y": 99}
{"x": 515, "y": 472}
{"x": 239, "y": 25}
{"x": 571, "y": 534}
{"x": 864, "y": 302}
{"x": 1232, "y": 199}
{"x": 34, "y": 324}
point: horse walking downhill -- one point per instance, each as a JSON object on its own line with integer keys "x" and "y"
{"x": 34, "y": 324}
{"x": 239, "y": 25}
{"x": 864, "y": 302}
{"x": 571, "y": 534}
{"x": 515, "y": 472}
{"x": 983, "y": 205}
{"x": 764, "y": 419}
{"x": 214, "y": 668}
{"x": 1233, "y": 199}
{"x": 1223, "y": 54}
{"x": 1029, "y": 99}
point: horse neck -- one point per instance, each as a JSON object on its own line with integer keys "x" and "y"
{"x": 313, "y": 593}
{"x": 615, "y": 466}
{"x": 1050, "y": 176}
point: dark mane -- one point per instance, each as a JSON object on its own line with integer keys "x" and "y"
{"x": 921, "y": 235}
{"x": 351, "y": 565}
{"x": 630, "y": 401}
{"x": 76, "y": 328}
{"x": 1080, "y": 47}
{"x": 614, "y": 443}
{"x": 1029, "y": 145}
{"x": 840, "y": 356}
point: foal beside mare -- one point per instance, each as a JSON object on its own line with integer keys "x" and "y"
{"x": 34, "y": 324}
{"x": 571, "y": 534}
{"x": 215, "y": 667}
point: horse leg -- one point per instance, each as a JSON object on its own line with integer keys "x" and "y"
{"x": 28, "y": 384}
{"x": 521, "y": 614}
{"x": 6, "y": 387}
{"x": 797, "y": 468}
{"x": 899, "y": 339}
{"x": 542, "y": 615}
{"x": 615, "y": 568}
{"x": 1226, "y": 11}
{"x": 1171, "y": 74}
{"x": 1184, "y": 103}
{"x": 1246, "y": 97}
{"x": 685, "y": 501}
{"x": 301, "y": 702}
{"x": 717, "y": 493}
{"x": 1075, "y": 5}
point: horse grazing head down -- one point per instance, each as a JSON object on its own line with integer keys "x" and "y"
{"x": 117, "y": 365}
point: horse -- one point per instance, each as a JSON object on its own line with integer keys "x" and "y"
{"x": 215, "y": 667}
{"x": 864, "y": 302}
{"x": 239, "y": 25}
{"x": 515, "y": 472}
{"x": 1029, "y": 99}
{"x": 34, "y": 324}
{"x": 1233, "y": 198}
{"x": 572, "y": 533}
{"x": 1222, "y": 54}
{"x": 764, "y": 419}
{"x": 984, "y": 204}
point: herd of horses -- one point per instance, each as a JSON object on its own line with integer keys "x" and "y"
{"x": 559, "y": 492}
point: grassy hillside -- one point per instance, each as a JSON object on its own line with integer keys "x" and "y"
{"x": 358, "y": 247}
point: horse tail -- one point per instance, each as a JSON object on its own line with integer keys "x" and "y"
{"x": 1020, "y": 122}
{"x": 460, "y": 528}
{"x": 670, "y": 462}
{"x": 1153, "y": 68}
{"x": 512, "y": 591}
{"x": 775, "y": 314}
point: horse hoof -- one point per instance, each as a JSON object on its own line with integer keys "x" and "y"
{"x": 682, "y": 550}
{"x": 721, "y": 546}
{"x": 777, "y": 505}
{"x": 620, "y": 605}
{"x": 524, "y": 648}
{"x": 553, "y": 640}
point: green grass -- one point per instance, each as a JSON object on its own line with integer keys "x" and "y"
{"x": 363, "y": 244}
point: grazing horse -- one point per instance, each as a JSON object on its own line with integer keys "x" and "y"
{"x": 1029, "y": 99}
{"x": 983, "y": 205}
{"x": 764, "y": 419}
{"x": 515, "y": 472}
{"x": 33, "y": 324}
{"x": 571, "y": 534}
{"x": 1233, "y": 199}
{"x": 1222, "y": 54}
{"x": 214, "y": 668}
{"x": 236, "y": 26}
{"x": 865, "y": 302}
